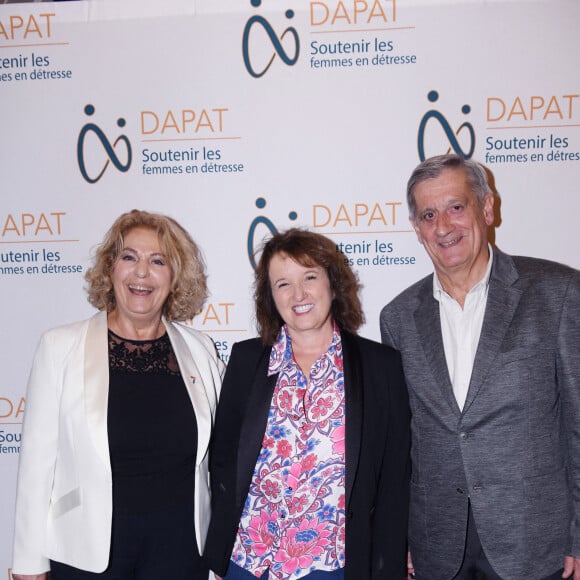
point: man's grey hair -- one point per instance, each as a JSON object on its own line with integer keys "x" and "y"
{"x": 434, "y": 166}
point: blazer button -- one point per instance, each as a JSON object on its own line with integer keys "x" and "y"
{"x": 463, "y": 435}
{"x": 459, "y": 490}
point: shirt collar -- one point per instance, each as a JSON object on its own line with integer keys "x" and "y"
{"x": 438, "y": 290}
{"x": 281, "y": 353}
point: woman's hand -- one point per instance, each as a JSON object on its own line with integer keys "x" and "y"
{"x": 410, "y": 567}
{"x": 43, "y": 576}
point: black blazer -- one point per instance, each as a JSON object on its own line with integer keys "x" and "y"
{"x": 377, "y": 454}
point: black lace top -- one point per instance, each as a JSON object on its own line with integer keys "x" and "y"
{"x": 151, "y": 426}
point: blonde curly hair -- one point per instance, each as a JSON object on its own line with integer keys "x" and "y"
{"x": 188, "y": 280}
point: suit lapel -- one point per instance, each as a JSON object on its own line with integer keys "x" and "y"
{"x": 502, "y": 302}
{"x": 195, "y": 388}
{"x": 254, "y": 423}
{"x": 354, "y": 407}
{"x": 96, "y": 383}
{"x": 428, "y": 325}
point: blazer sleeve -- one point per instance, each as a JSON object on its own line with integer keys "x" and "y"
{"x": 239, "y": 377}
{"x": 386, "y": 334}
{"x": 37, "y": 461}
{"x": 392, "y": 501}
{"x": 226, "y": 431}
{"x": 568, "y": 378}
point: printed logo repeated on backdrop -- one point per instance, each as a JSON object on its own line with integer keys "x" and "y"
{"x": 11, "y": 415}
{"x": 260, "y": 228}
{"x": 180, "y": 125}
{"x": 257, "y": 21}
{"x": 35, "y": 235}
{"x": 35, "y": 48}
{"x": 334, "y": 21}
{"x": 376, "y": 24}
{"x": 91, "y": 128}
{"x": 539, "y": 128}
{"x": 257, "y": 116}
{"x": 343, "y": 219}
{"x": 534, "y": 129}
{"x": 454, "y": 138}
{"x": 367, "y": 233}
{"x": 157, "y": 159}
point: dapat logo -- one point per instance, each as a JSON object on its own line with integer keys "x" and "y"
{"x": 11, "y": 410}
{"x": 353, "y": 13}
{"x": 104, "y": 143}
{"x": 251, "y": 46}
{"x": 267, "y": 228}
{"x": 11, "y": 414}
{"x": 464, "y": 135}
{"x": 26, "y": 28}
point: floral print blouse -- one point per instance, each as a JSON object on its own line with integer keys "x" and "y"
{"x": 293, "y": 520}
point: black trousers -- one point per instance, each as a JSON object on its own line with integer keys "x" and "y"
{"x": 149, "y": 546}
{"x": 475, "y": 564}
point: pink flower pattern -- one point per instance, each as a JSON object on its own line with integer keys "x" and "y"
{"x": 262, "y": 531}
{"x": 293, "y": 520}
{"x": 337, "y": 437}
{"x": 301, "y": 545}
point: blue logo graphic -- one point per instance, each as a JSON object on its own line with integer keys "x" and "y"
{"x": 258, "y": 20}
{"x": 433, "y": 96}
{"x": 268, "y": 224}
{"x": 110, "y": 149}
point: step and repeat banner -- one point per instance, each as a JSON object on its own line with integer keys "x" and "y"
{"x": 242, "y": 118}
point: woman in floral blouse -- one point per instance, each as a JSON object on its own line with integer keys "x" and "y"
{"x": 310, "y": 457}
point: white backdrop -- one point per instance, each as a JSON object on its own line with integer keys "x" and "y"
{"x": 238, "y": 118}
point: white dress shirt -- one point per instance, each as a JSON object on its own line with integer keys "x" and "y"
{"x": 461, "y": 329}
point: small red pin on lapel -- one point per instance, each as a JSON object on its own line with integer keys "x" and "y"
{"x": 193, "y": 379}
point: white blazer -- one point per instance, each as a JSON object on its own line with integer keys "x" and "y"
{"x": 64, "y": 494}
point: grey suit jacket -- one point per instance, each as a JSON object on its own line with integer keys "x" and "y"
{"x": 514, "y": 451}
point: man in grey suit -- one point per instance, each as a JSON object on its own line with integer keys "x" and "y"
{"x": 491, "y": 353}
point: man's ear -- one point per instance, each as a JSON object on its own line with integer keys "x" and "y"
{"x": 488, "y": 214}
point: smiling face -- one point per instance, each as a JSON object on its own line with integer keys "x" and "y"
{"x": 302, "y": 295}
{"x": 452, "y": 225}
{"x": 141, "y": 278}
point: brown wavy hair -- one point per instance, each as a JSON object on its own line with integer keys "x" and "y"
{"x": 308, "y": 249}
{"x": 188, "y": 277}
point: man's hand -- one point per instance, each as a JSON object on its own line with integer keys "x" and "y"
{"x": 43, "y": 576}
{"x": 571, "y": 568}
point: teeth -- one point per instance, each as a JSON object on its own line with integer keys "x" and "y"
{"x": 302, "y": 309}
{"x": 140, "y": 288}
{"x": 451, "y": 243}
